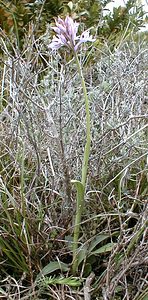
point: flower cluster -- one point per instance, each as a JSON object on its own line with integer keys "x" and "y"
{"x": 66, "y": 35}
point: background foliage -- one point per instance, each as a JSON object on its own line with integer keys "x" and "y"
{"x": 17, "y": 15}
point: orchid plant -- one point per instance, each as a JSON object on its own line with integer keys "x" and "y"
{"x": 66, "y": 35}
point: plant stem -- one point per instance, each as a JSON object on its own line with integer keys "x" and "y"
{"x": 79, "y": 209}
{"x": 81, "y": 189}
{"x": 88, "y": 135}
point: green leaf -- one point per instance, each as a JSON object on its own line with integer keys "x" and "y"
{"x": 106, "y": 248}
{"x": 86, "y": 250}
{"x": 13, "y": 255}
{"x": 69, "y": 242}
{"x": 97, "y": 239}
{"x": 79, "y": 187}
{"x": 145, "y": 297}
{"x": 51, "y": 267}
{"x": 3, "y": 292}
{"x": 71, "y": 281}
{"x": 87, "y": 270}
{"x": 82, "y": 253}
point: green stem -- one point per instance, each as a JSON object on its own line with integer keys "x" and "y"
{"x": 80, "y": 194}
{"x": 79, "y": 210}
{"x": 88, "y": 135}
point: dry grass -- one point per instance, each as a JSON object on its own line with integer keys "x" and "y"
{"x": 42, "y": 133}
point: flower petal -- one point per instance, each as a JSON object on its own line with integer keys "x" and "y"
{"x": 72, "y": 28}
{"x": 85, "y": 37}
{"x": 62, "y": 38}
{"x": 56, "y": 29}
{"x": 56, "y": 43}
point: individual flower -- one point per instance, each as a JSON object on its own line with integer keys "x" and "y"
{"x": 66, "y": 35}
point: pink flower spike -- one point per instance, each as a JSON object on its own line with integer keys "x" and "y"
{"x": 66, "y": 34}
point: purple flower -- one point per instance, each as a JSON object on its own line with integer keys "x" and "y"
{"x": 66, "y": 35}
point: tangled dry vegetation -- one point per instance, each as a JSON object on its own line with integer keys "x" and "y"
{"x": 42, "y": 135}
